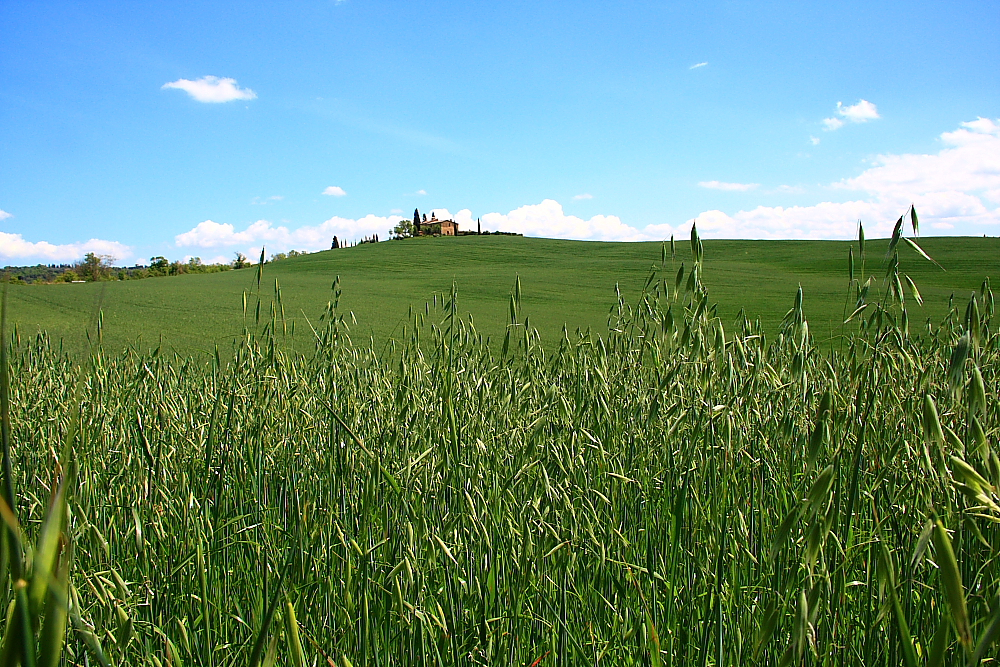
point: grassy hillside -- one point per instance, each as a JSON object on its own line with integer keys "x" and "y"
{"x": 673, "y": 494}
{"x": 563, "y": 282}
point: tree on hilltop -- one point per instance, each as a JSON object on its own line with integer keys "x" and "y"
{"x": 95, "y": 267}
{"x": 403, "y": 229}
{"x": 159, "y": 266}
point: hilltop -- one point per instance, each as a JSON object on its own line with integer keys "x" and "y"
{"x": 563, "y": 282}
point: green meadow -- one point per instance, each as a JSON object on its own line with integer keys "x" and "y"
{"x": 571, "y": 283}
{"x": 681, "y": 485}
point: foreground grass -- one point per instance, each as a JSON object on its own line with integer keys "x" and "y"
{"x": 568, "y": 283}
{"x": 676, "y": 492}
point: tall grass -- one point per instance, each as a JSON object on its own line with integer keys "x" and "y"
{"x": 682, "y": 491}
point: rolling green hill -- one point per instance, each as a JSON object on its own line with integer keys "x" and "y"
{"x": 563, "y": 282}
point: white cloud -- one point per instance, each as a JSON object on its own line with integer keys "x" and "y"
{"x": 396, "y": 210}
{"x": 4, "y": 214}
{"x": 465, "y": 220}
{"x": 212, "y": 89}
{"x": 334, "y": 191}
{"x": 697, "y": 65}
{"x": 584, "y": 196}
{"x": 822, "y": 221}
{"x": 13, "y": 247}
{"x": 211, "y": 234}
{"x": 548, "y": 219}
{"x": 731, "y": 187}
{"x": 814, "y": 140}
{"x": 862, "y": 112}
{"x": 970, "y": 162}
{"x": 957, "y": 188}
{"x": 421, "y": 192}
{"x": 831, "y": 124}
{"x": 980, "y": 125}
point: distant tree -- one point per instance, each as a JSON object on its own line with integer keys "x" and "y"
{"x": 415, "y": 229}
{"x": 335, "y": 243}
{"x": 240, "y": 261}
{"x": 158, "y": 266}
{"x": 95, "y": 267}
{"x": 67, "y": 276}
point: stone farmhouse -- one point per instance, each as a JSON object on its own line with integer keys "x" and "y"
{"x": 422, "y": 226}
{"x": 434, "y": 226}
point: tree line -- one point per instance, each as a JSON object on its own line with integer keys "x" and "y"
{"x": 94, "y": 268}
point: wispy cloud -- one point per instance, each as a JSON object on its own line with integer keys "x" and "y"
{"x": 957, "y": 188}
{"x": 814, "y": 140}
{"x": 4, "y": 214}
{"x": 787, "y": 189}
{"x": 334, "y": 191}
{"x": 15, "y": 247}
{"x": 421, "y": 192}
{"x": 731, "y": 187}
{"x": 697, "y": 65}
{"x": 258, "y": 201}
{"x": 585, "y": 195}
{"x": 831, "y": 124}
{"x": 212, "y": 89}
{"x": 341, "y": 114}
{"x": 862, "y": 112}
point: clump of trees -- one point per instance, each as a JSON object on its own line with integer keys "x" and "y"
{"x": 161, "y": 266}
{"x": 45, "y": 273}
{"x": 402, "y": 230}
{"x": 278, "y": 256}
{"x": 94, "y": 268}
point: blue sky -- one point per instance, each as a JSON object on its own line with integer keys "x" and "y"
{"x": 590, "y": 120}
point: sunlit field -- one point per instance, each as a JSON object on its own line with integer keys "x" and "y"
{"x": 676, "y": 484}
{"x": 563, "y": 283}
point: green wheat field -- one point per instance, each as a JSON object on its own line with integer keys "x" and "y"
{"x": 478, "y": 451}
{"x": 571, "y": 283}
